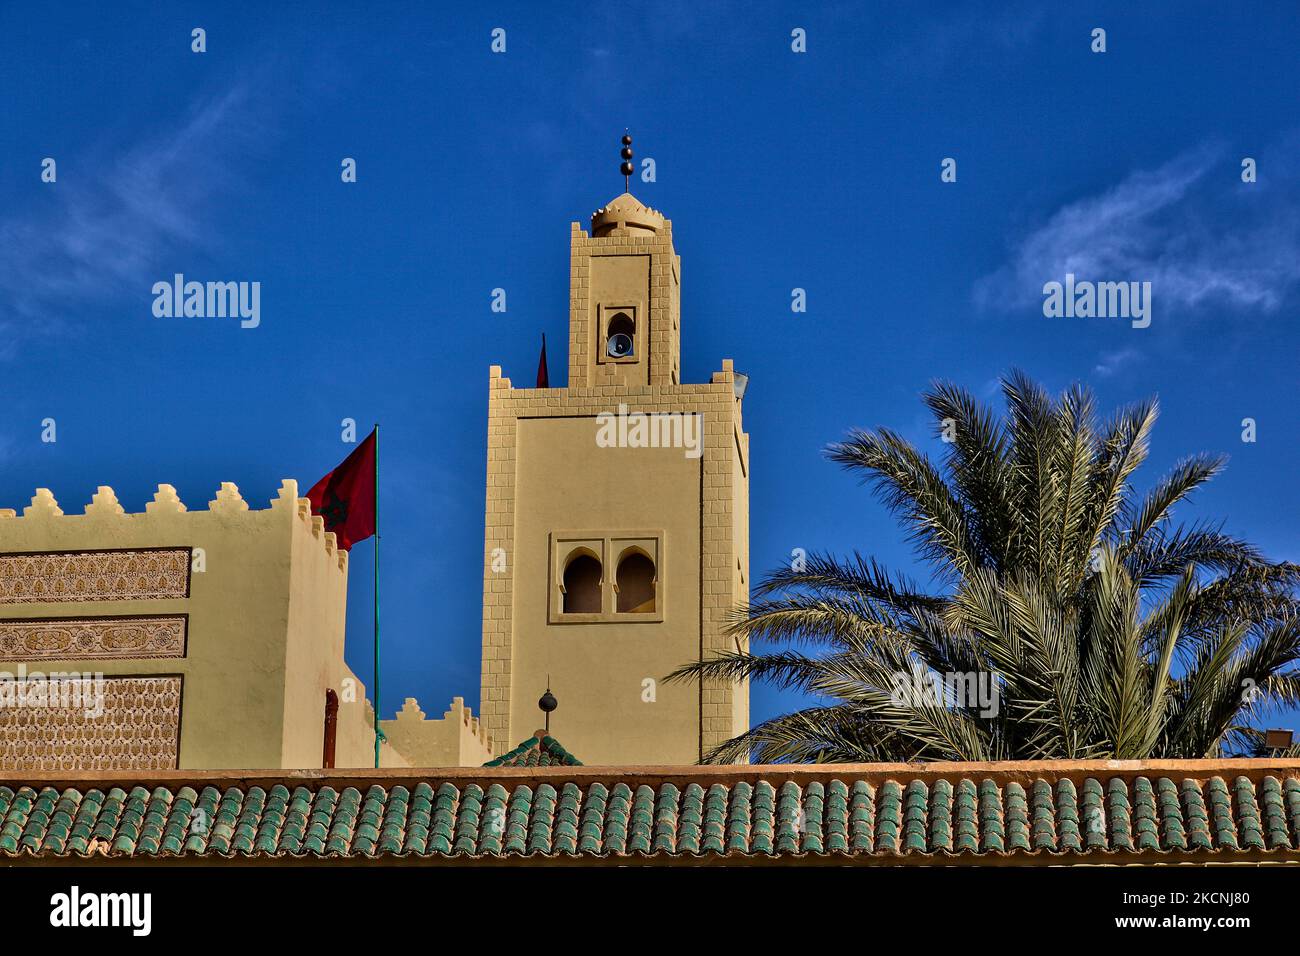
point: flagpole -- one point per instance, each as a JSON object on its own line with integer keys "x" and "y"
{"x": 378, "y": 734}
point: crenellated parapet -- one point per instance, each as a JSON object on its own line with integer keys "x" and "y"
{"x": 456, "y": 739}
{"x": 165, "y": 506}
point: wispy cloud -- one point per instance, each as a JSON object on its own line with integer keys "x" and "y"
{"x": 1112, "y": 363}
{"x": 116, "y": 213}
{"x": 1191, "y": 227}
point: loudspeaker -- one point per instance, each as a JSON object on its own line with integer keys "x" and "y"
{"x": 619, "y": 345}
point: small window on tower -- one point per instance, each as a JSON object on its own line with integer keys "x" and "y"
{"x": 582, "y": 585}
{"x": 620, "y": 337}
{"x": 636, "y": 584}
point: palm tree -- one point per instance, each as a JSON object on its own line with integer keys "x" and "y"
{"x": 1070, "y": 617}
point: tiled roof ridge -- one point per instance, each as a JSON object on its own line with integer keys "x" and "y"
{"x": 558, "y": 754}
{"x": 549, "y": 753}
{"x": 511, "y": 757}
{"x": 901, "y": 819}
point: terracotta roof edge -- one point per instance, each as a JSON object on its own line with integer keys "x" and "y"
{"x": 1254, "y": 769}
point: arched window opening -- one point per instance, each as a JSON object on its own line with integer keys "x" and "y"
{"x": 620, "y": 336}
{"x": 582, "y": 585}
{"x": 636, "y": 584}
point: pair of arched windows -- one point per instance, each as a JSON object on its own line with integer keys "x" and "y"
{"x": 634, "y": 583}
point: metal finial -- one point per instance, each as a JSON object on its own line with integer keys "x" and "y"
{"x": 626, "y": 167}
{"x": 547, "y": 703}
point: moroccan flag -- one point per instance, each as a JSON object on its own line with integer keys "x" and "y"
{"x": 345, "y": 497}
{"x": 543, "y": 379}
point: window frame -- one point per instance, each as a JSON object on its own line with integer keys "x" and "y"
{"x": 609, "y": 547}
{"x": 604, "y": 315}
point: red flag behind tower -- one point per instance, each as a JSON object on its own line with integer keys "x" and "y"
{"x": 345, "y": 497}
{"x": 543, "y": 378}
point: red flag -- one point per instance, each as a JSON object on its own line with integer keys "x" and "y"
{"x": 543, "y": 379}
{"x": 345, "y": 497}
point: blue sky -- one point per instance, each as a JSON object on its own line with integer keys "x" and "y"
{"x": 780, "y": 170}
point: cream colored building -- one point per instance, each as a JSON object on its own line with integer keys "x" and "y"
{"x": 617, "y": 543}
{"x": 218, "y": 633}
{"x": 617, "y": 538}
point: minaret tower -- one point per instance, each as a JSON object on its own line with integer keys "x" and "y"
{"x": 617, "y": 527}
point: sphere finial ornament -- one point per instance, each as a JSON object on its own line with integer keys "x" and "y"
{"x": 626, "y": 167}
{"x": 547, "y": 703}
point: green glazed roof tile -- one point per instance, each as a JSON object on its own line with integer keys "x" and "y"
{"x": 789, "y": 819}
{"x": 1291, "y": 800}
{"x": 713, "y": 829}
{"x": 863, "y": 815}
{"x": 619, "y": 806}
{"x": 541, "y": 820}
{"x": 591, "y": 832}
{"x": 915, "y": 798}
{"x": 1251, "y": 825}
{"x": 691, "y": 819}
{"x": 640, "y": 820}
{"x": 1274, "y": 814}
{"x": 1069, "y": 833}
{"x": 811, "y": 840}
{"x": 664, "y": 835}
{"x": 492, "y": 822}
{"x": 836, "y": 817}
{"x": 1222, "y": 825}
{"x": 889, "y": 817}
{"x": 965, "y": 825}
{"x": 762, "y": 818}
{"x": 934, "y": 817}
{"x": 738, "y": 818}
{"x": 991, "y": 823}
{"x": 468, "y": 821}
{"x": 1042, "y": 816}
{"x": 1016, "y": 817}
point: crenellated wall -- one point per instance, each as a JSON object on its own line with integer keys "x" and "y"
{"x": 219, "y": 629}
{"x": 454, "y": 740}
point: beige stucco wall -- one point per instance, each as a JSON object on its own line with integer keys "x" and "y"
{"x": 565, "y": 481}
{"x": 625, "y": 281}
{"x": 266, "y": 620}
{"x": 548, "y": 474}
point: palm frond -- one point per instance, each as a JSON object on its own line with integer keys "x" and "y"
{"x": 1073, "y": 618}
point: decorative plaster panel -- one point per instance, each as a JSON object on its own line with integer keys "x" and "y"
{"x": 106, "y": 638}
{"x": 138, "y": 729}
{"x": 55, "y": 577}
